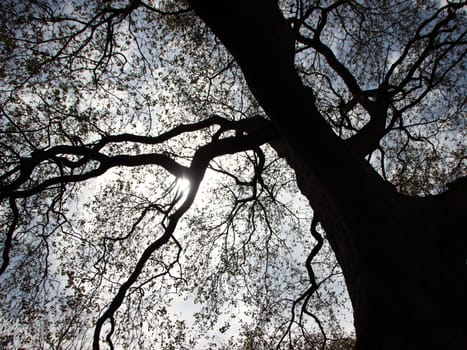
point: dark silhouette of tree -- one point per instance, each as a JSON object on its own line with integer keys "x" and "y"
{"x": 157, "y": 148}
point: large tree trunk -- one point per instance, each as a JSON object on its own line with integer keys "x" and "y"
{"x": 404, "y": 265}
{"x": 403, "y": 259}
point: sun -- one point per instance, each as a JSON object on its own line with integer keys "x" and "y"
{"x": 182, "y": 186}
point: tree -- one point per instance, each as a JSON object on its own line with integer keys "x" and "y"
{"x": 363, "y": 100}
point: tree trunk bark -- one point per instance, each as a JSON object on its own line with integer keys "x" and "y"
{"x": 413, "y": 283}
{"x": 407, "y": 279}
{"x": 403, "y": 259}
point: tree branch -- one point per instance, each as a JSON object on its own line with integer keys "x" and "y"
{"x": 9, "y": 236}
{"x": 196, "y": 171}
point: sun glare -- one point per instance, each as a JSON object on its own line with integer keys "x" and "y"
{"x": 183, "y": 185}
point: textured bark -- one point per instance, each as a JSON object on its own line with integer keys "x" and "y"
{"x": 403, "y": 259}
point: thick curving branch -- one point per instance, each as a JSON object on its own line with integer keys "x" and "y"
{"x": 119, "y": 297}
{"x": 200, "y": 163}
{"x": 87, "y": 153}
{"x": 106, "y": 163}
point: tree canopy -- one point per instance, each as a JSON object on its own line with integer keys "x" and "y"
{"x": 158, "y": 150}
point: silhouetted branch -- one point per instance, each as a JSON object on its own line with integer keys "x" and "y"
{"x": 9, "y": 236}
{"x": 306, "y": 296}
{"x": 196, "y": 171}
